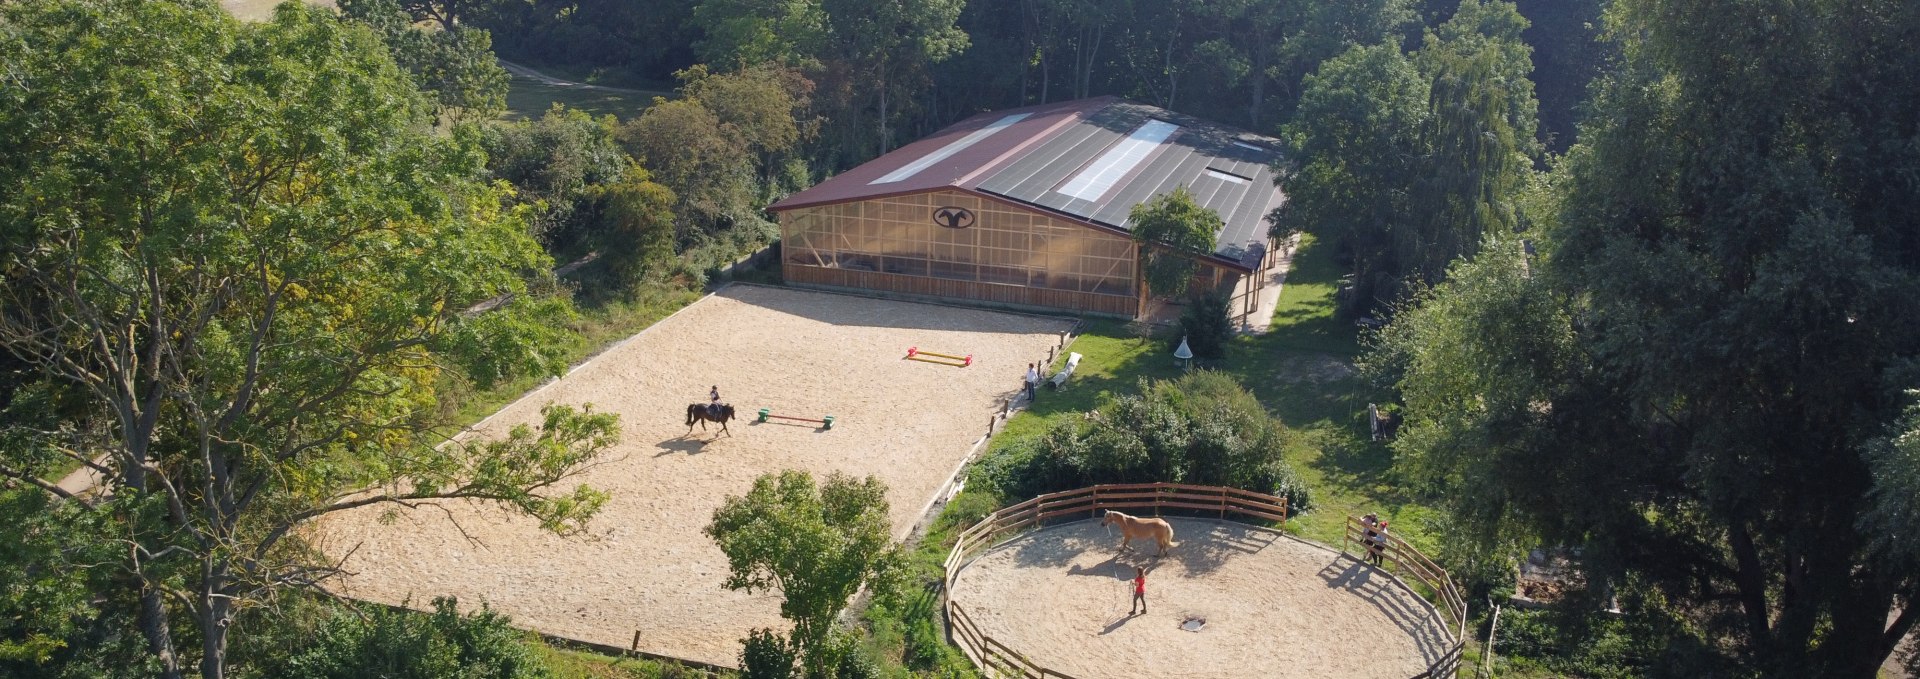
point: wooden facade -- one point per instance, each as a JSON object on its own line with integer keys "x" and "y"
{"x": 1007, "y": 254}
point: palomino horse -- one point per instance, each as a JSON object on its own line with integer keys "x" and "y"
{"x": 699, "y": 412}
{"x": 1134, "y": 527}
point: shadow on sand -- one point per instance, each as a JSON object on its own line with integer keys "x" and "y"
{"x": 1402, "y": 607}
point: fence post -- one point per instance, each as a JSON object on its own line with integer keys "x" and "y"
{"x": 990, "y": 419}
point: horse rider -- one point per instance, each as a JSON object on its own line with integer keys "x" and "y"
{"x": 713, "y": 402}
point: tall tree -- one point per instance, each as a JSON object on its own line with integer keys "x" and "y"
{"x": 244, "y": 248}
{"x": 1479, "y": 136}
{"x": 1356, "y": 152}
{"x": 815, "y": 543}
{"x": 1706, "y": 382}
{"x": 1407, "y": 190}
{"x": 455, "y": 64}
{"x": 1173, "y": 231}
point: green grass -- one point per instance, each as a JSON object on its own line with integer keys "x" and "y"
{"x": 529, "y": 98}
{"x": 571, "y": 664}
{"x": 1301, "y": 370}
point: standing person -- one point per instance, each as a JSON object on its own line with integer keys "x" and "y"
{"x": 1139, "y": 591}
{"x": 1376, "y": 552}
{"x": 1032, "y": 381}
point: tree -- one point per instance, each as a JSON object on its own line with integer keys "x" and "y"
{"x": 555, "y": 163}
{"x": 247, "y": 256}
{"x": 1703, "y": 377}
{"x": 683, "y": 144}
{"x": 1206, "y": 326}
{"x": 1356, "y": 150}
{"x": 1479, "y": 136}
{"x": 456, "y": 64}
{"x": 635, "y": 234}
{"x": 1172, "y": 231}
{"x": 816, "y": 544}
{"x": 1412, "y": 162}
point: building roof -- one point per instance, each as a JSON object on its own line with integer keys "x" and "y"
{"x": 1090, "y": 160}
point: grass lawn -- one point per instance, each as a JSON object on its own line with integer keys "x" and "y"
{"x": 529, "y": 98}
{"x": 1302, "y": 370}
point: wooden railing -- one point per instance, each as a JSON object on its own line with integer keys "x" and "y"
{"x": 999, "y": 659}
{"x": 1401, "y": 559}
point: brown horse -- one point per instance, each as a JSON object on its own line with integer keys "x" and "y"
{"x": 699, "y": 412}
{"x": 1134, "y": 527}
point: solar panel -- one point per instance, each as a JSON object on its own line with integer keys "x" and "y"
{"x": 944, "y": 152}
{"x": 1097, "y": 178}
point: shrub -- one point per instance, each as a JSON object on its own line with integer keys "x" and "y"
{"x": 376, "y": 641}
{"x": 1203, "y": 429}
{"x": 1207, "y": 327}
{"x": 764, "y": 654}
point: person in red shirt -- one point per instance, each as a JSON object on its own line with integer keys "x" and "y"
{"x": 1139, "y": 590}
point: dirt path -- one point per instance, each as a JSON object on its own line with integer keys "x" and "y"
{"x": 544, "y": 79}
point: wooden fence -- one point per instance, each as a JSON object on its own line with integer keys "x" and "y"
{"x": 999, "y": 659}
{"x": 1402, "y": 560}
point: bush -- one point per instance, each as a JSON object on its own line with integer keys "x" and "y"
{"x": 1207, "y": 327}
{"x": 1202, "y": 429}
{"x": 376, "y": 641}
{"x": 764, "y": 654}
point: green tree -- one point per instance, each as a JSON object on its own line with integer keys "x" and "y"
{"x": 708, "y": 166}
{"x": 1356, "y": 152}
{"x": 1703, "y": 377}
{"x": 1173, "y": 231}
{"x": 248, "y": 254}
{"x": 456, "y": 64}
{"x": 635, "y": 234}
{"x": 1410, "y": 162}
{"x": 555, "y": 163}
{"x": 815, "y": 544}
{"x": 1207, "y": 327}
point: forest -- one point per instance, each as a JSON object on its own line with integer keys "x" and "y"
{"x": 1639, "y": 276}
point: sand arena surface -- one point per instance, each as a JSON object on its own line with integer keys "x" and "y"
{"x": 645, "y": 565}
{"x": 1274, "y": 606}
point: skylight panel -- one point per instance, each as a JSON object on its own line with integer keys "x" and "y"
{"x": 947, "y": 151}
{"x": 1105, "y": 171}
{"x": 1245, "y": 145}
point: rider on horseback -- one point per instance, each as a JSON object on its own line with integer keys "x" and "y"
{"x": 713, "y": 404}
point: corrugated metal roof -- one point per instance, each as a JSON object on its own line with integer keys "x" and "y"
{"x": 1030, "y": 159}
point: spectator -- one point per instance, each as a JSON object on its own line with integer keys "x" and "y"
{"x": 1032, "y": 382}
{"x": 1377, "y": 547}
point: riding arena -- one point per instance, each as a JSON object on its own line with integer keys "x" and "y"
{"x": 644, "y": 575}
{"x": 1044, "y": 589}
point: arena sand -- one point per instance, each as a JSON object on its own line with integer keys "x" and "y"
{"x": 645, "y": 565}
{"x": 1275, "y": 607}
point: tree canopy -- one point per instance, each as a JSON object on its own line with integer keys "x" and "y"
{"x": 1703, "y": 375}
{"x": 1173, "y": 231}
{"x": 816, "y": 543}
{"x": 237, "y": 255}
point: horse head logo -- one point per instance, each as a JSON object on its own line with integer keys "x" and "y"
{"x": 953, "y": 217}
